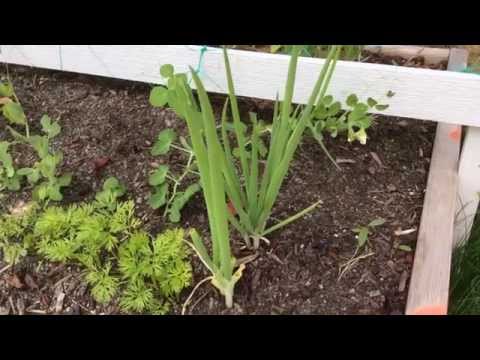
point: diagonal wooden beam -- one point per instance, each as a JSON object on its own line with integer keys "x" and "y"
{"x": 429, "y": 285}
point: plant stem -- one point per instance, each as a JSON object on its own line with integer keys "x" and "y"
{"x": 181, "y": 148}
{"x": 178, "y": 182}
{"x": 291, "y": 219}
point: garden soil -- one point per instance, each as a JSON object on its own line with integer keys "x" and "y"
{"x": 108, "y": 128}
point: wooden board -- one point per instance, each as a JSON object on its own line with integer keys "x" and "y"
{"x": 431, "y": 55}
{"x": 422, "y": 94}
{"x": 430, "y": 280}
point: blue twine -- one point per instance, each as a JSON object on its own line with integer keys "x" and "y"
{"x": 470, "y": 70}
{"x": 203, "y": 50}
{"x": 199, "y": 69}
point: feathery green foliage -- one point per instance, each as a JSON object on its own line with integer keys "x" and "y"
{"x": 15, "y": 233}
{"x": 104, "y": 238}
{"x": 118, "y": 256}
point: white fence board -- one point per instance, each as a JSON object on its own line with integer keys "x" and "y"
{"x": 419, "y": 93}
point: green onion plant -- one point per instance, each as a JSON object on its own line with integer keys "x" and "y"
{"x": 253, "y": 186}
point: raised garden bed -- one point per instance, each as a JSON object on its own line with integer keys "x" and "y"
{"x": 299, "y": 273}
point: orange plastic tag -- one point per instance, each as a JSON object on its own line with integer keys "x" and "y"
{"x": 456, "y": 134}
{"x": 431, "y": 310}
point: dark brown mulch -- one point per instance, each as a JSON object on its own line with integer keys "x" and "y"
{"x": 299, "y": 273}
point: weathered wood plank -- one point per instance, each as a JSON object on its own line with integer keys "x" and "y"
{"x": 422, "y": 94}
{"x": 429, "y": 285}
{"x": 431, "y": 55}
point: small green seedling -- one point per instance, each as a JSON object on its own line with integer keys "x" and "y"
{"x": 165, "y": 183}
{"x": 46, "y": 167}
{"x": 111, "y": 191}
{"x": 354, "y": 122}
{"x": 403, "y": 247}
{"x": 9, "y": 177}
{"x": 15, "y": 227}
{"x": 363, "y": 232}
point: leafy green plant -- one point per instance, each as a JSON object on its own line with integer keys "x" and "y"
{"x": 46, "y": 168}
{"x": 166, "y": 185}
{"x": 119, "y": 258}
{"x": 12, "y": 111}
{"x": 363, "y": 232}
{"x": 349, "y": 52}
{"x": 330, "y": 118}
{"x": 9, "y": 177}
{"x": 111, "y": 191}
{"x": 15, "y": 233}
{"x": 11, "y": 107}
{"x": 253, "y": 198}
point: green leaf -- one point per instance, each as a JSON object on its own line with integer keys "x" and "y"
{"x": 167, "y": 70}
{"x": 352, "y": 100}
{"x": 53, "y": 192}
{"x": 231, "y": 127}
{"x": 6, "y": 158}
{"x": 390, "y": 94}
{"x": 158, "y": 177}
{"x": 159, "y": 198}
{"x": 321, "y": 112}
{"x": 262, "y": 148}
{"x": 64, "y": 180}
{"x": 362, "y": 236}
{"x": 111, "y": 183}
{"x": 25, "y": 171}
{"x": 327, "y": 100}
{"x": 16, "y": 135}
{"x": 275, "y": 48}
{"x": 51, "y": 128}
{"x": 180, "y": 201}
{"x": 382, "y": 107}
{"x": 404, "y": 248}
{"x": 14, "y": 113}
{"x": 6, "y": 89}
{"x": 377, "y": 222}
{"x": 114, "y": 186}
{"x": 13, "y": 183}
{"x": 48, "y": 166}
{"x": 372, "y": 102}
{"x": 40, "y": 144}
{"x": 159, "y": 96}
{"x": 164, "y": 140}
{"x": 40, "y": 192}
{"x": 33, "y": 177}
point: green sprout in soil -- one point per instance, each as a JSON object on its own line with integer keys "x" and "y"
{"x": 44, "y": 173}
{"x": 363, "y": 233}
{"x": 167, "y": 185}
{"x": 119, "y": 261}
